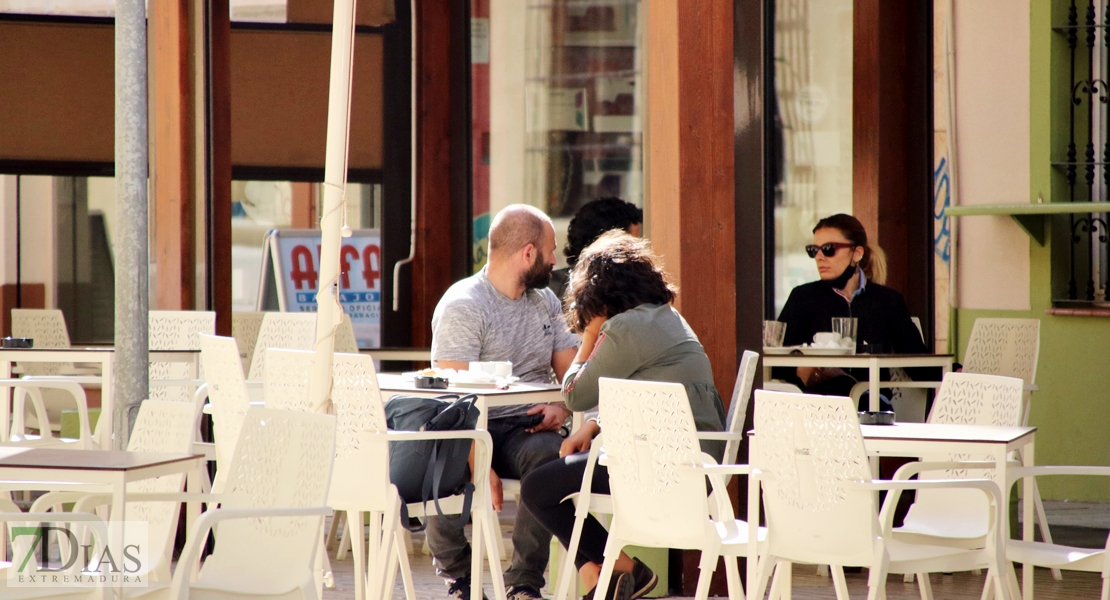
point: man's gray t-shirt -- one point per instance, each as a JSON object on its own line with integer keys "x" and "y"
{"x": 475, "y": 322}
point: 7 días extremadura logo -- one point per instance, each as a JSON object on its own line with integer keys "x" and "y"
{"x": 81, "y": 561}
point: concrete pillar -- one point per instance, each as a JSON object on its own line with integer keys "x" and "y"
{"x": 131, "y": 251}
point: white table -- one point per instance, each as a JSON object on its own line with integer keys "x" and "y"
{"x": 917, "y": 439}
{"x": 104, "y": 356}
{"x": 102, "y": 471}
{"x": 874, "y": 363}
{"x": 517, "y": 393}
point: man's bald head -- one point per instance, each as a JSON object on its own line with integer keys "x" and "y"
{"x": 516, "y": 226}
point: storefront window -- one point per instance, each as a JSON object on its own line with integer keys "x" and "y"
{"x": 812, "y": 156}
{"x": 584, "y": 103}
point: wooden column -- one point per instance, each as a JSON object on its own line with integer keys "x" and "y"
{"x": 892, "y": 141}
{"x": 171, "y": 172}
{"x": 691, "y": 176}
{"x": 219, "y": 163}
{"x": 431, "y": 271}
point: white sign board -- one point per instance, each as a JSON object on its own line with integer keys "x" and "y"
{"x": 294, "y": 254}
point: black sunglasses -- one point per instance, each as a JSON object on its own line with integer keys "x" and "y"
{"x": 828, "y": 249}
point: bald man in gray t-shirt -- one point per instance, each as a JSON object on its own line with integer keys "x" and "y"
{"x": 506, "y": 313}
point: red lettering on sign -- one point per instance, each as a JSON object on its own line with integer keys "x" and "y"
{"x": 304, "y": 268}
{"x": 371, "y": 265}
{"x": 345, "y": 265}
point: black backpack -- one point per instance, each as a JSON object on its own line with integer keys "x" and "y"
{"x": 426, "y": 470}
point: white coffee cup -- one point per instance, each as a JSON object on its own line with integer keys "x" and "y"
{"x": 497, "y": 368}
{"x": 826, "y": 338}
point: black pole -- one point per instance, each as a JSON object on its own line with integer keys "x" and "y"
{"x": 18, "y": 242}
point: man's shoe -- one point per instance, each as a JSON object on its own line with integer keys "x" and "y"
{"x": 620, "y": 588}
{"x": 523, "y": 592}
{"x": 643, "y": 579}
{"x": 459, "y": 589}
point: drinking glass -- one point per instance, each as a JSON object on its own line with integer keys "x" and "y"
{"x": 773, "y": 333}
{"x": 845, "y": 327}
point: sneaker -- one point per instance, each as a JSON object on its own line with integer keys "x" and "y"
{"x": 459, "y": 589}
{"x": 643, "y": 579}
{"x": 620, "y": 588}
{"x": 523, "y": 592}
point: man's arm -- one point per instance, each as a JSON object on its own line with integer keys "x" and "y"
{"x": 561, "y": 361}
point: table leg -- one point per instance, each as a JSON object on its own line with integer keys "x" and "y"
{"x": 116, "y": 537}
{"x": 107, "y": 403}
{"x": 5, "y": 419}
{"x": 753, "y": 527}
{"x": 1027, "y": 522}
{"x": 873, "y": 384}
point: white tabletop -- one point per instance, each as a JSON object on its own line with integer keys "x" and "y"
{"x": 517, "y": 393}
{"x": 929, "y": 432}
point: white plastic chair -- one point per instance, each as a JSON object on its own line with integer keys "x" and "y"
{"x": 228, "y": 396}
{"x": 657, "y": 476}
{"x": 1057, "y": 556}
{"x": 360, "y": 483}
{"x": 270, "y": 517}
{"x": 960, "y": 517}
{"x": 818, "y": 494}
{"x": 292, "y": 331}
{"x": 244, "y": 328}
{"x": 47, "y": 327}
{"x": 176, "y": 330}
{"x": 588, "y": 502}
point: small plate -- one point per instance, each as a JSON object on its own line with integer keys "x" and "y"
{"x": 827, "y": 351}
{"x": 779, "y": 350}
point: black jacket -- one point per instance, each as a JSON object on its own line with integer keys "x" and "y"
{"x": 882, "y": 313}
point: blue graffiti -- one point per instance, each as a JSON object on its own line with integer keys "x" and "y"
{"x": 942, "y": 243}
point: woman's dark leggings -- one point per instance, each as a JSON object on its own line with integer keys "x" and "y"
{"x": 542, "y": 492}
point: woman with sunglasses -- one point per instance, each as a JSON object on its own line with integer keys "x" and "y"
{"x": 852, "y": 275}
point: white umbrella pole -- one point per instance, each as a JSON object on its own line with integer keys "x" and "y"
{"x": 330, "y": 312}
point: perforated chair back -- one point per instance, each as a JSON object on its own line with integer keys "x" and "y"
{"x": 1006, "y": 347}
{"x": 650, "y": 440}
{"x": 176, "y": 330}
{"x": 738, "y": 407}
{"x": 244, "y": 328}
{"x": 809, "y": 447}
{"x": 227, "y": 392}
{"x": 291, "y": 331}
{"x": 47, "y": 327}
{"x": 283, "y": 459}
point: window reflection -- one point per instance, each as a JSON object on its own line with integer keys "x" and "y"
{"x": 812, "y": 159}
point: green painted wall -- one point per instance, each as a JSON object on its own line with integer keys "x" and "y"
{"x": 1071, "y": 410}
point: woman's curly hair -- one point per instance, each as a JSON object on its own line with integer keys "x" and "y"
{"x": 618, "y": 272}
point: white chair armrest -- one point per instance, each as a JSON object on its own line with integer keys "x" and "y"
{"x": 1017, "y": 473}
{"x": 913, "y": 468}
{"x": 714, "y": 469}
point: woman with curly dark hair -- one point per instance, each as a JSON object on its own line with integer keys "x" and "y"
{"x": 593, "y": 219}
{"x": 619, "y": 299}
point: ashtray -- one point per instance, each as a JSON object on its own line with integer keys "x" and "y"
{"x": 430, "y": 382}
{"x": 876, "y": 417}
{"x": 14, "y": 342}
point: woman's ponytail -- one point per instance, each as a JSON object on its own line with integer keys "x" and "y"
{"x": 873, "y": 264}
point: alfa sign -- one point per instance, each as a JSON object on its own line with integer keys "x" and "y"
{"x": 294, "y": 256}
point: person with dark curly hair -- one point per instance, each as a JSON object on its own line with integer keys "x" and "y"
{"x": 619, "y": 299}
{"x": 593, "y": 219}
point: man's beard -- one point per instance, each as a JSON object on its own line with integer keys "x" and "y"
{"x": 538, "y": 276}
